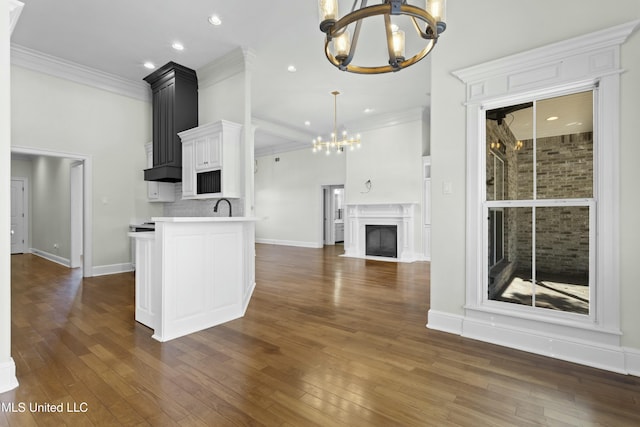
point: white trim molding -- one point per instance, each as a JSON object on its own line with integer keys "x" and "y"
{"x": 296, "y": 243}
{"x": 564, "y": 347}
{"x": 589, "y": 56}
{"x": 591, "y": 61}
{"x": 402, "y": 215}
{"x": 15, "y": 9}
{"x": 632, "y": 361}
{"x": 51, "y": 257}
{"x": 8, "y": 380}
{"x": 235, "y": 62}
{"x": 58, "y": 67}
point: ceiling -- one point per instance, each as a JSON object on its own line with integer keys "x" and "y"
{"x": 562, "y": 115}
{"x": 118, "y": 36}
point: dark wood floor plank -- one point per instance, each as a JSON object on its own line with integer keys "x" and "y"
{"x": 326, "y": 340}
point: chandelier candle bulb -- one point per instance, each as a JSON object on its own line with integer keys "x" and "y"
{"x": 436, "y": 8}
{"x": 328, "y": 10}
{"x": 398, "y": 44}
{"x": 341, "y": 45}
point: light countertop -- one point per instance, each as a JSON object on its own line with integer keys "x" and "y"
{"x": 205, "y": 219}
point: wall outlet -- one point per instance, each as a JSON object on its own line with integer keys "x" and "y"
{"x": 55, "y": 246}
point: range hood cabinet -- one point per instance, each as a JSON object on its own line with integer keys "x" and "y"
{"x": 175, "y": 109}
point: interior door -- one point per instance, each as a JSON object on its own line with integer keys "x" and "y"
{"x": 17, "y": 216}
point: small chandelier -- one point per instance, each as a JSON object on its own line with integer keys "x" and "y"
{"x": 339, "y": 46}
{"x": 336, "y": 144}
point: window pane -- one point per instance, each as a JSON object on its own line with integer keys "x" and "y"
{"x": 509, "y": 165}
{"x": 564, "y": 147}
{"x": 562, "y": 258}
{"x": 510, "y": 255}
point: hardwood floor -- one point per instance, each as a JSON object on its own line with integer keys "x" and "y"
{"x": 326, "y": 341}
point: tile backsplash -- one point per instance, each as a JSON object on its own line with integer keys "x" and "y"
{"x": 196, "y": 207}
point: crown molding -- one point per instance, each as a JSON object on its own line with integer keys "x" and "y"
{"x": 380, "y": 121}
{"x": 15, "y": 9}
{"x": 281, "y": 148}
{"x": 226, "y": 66}
{"x": 37, "y": 61}
{"x": 297, "y": 140}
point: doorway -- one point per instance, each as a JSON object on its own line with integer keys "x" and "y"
{"x": 333, "y": 214}
{"x": 19, "y": 217}
{"x": 77, "y": 217}
{"x": 81, "y": 205}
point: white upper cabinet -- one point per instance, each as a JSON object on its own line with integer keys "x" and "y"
{"x": 211, "y": 161}
{"x": 208, "y": 152}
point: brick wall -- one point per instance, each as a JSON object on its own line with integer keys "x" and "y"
{"x": 564, "y": 170}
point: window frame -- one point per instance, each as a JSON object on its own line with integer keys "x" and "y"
{"x": 536, "y": 202}
{"x": 604, "y": 327}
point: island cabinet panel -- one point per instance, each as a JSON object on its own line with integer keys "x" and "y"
{"x": 146, "y": 306}
{"x": 194, "y": 273}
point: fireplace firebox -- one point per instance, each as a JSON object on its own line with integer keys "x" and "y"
{"x": 381, "y": 240}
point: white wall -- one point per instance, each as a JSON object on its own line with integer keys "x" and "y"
{"x": 520, "y": 30}
{"x": 288, "y": 192}
{"x": 223, "y": 100}
{"x": 391, "y": 158}
{"x": 7, "y": 366}
{"x": 51, "y": 206}
{"x": 289, "y": 195}
{"x": 50, "y": 113}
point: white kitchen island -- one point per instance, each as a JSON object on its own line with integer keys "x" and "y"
{"x": 193, "y": 273}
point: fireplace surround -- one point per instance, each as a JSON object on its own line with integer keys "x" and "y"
{"x": 400, "y": 215}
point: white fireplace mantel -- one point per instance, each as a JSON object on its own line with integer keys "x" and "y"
{"x": 359, "y": 215}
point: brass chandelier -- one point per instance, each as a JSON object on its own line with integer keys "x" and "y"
{"x": 340, "y": 47}
{"x": 336, "y": 144}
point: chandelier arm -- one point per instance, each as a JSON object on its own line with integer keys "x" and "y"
{"x": 360, "y": 14}
{"x": 416, "y": 25}
{"x": 354, "y": 43}
{"x": 363, "y": 3}
{"x": 388, "y": 68}
{"x": 335, "y": 115}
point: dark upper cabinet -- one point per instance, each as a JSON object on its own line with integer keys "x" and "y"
{"x": 175, "y": 108}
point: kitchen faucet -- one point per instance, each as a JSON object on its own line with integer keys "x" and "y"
{"x": 215, "y": 208}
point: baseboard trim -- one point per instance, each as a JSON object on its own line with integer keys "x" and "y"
{"x": 8, "y": 379}
{"x": 51, "y": 257}
{"x": 602, "y": 356}
{"x": 104, "y": 270}
{"x": 445, "y": 322}
{"x": 295, "y": 243}
{"x": 632, "y": 361}
{"x": 247, "y": 299}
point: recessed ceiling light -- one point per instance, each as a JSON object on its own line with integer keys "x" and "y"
{"x": 368, "y": 110}
{"x": 307, "y": 123}
{"x": 149, "y": 65}
{"x": 552, "y": 118}
{"x": 292, "y": 68}
{"x": 177, "y": 46}
{"x": 215, "y": 20}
